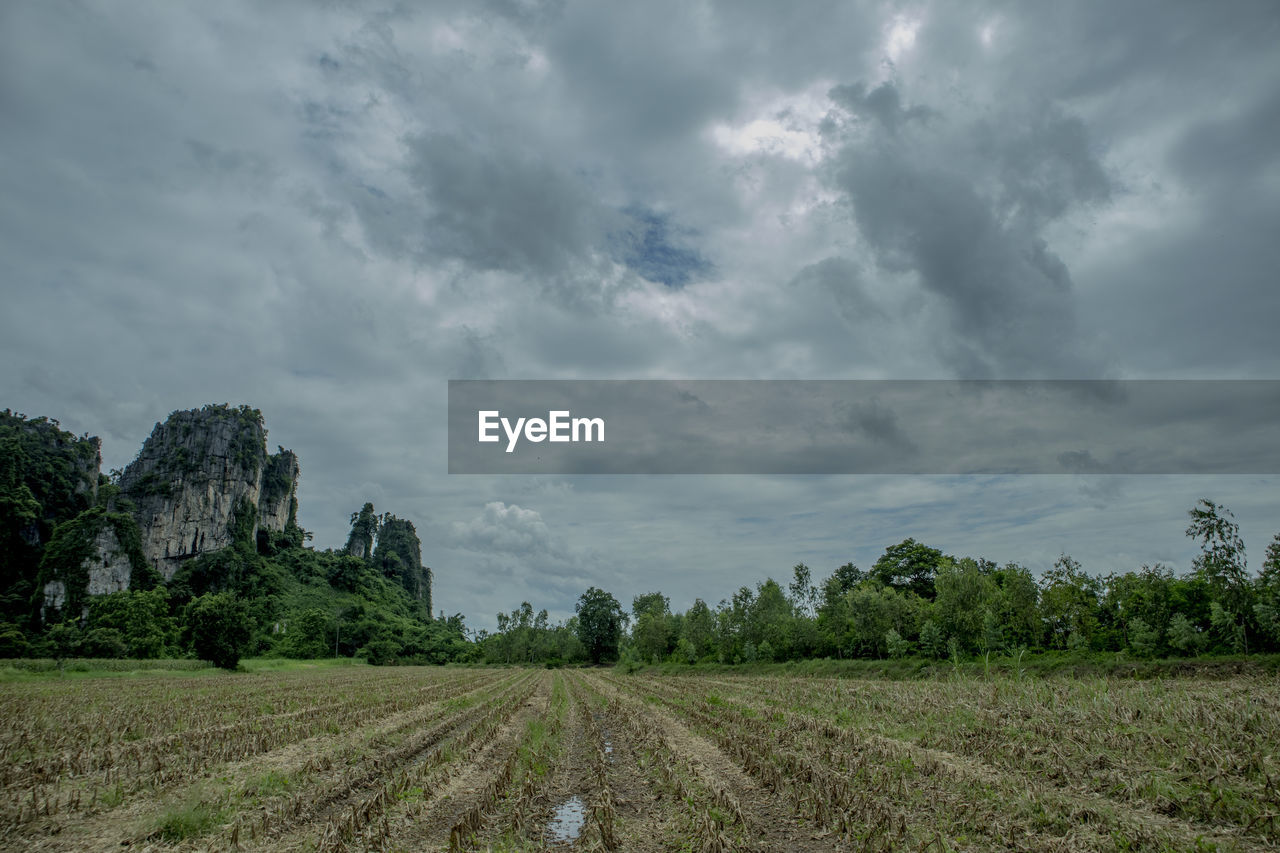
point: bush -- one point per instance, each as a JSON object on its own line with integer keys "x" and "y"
{"x": 899, "y": 647}
{"x": 382, "y": 652}
{"x": 1143, "y": 639}
{"x": 1184, "y": 635}
{"x": 13, "y": 643}
{"x": 306, "y": 636}
{"x": 931, "y": 640}
{"x": 220, "y": 628}
{"x": 103, "y": 643}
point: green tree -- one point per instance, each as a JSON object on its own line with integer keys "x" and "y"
{"x": 964, "y": 595}
{"x": 1143, "y": 639}
{"x": 1229, "y": 628}
{"x": 381, "y": 652}
{"x": 307, "y": 635}
{"x": 346, "y": 572}
{"x": 896, "y": 645}
{"x": 652, "y": 633}
{"x": 1015, "y": 601}
{"x": 993, "y": 639}
{"x": 769, "y": 619}
{"x": 1146, "y": 594}
{"x": 1267, "y": 608}
{"x": 833, "y": 611}
{"x": 1221, "y": 563}
{"x": 932, "y": 641}
{"x": 1069, "y": 603}
{"x": 1184, "y": 635}
{"x": 63, "y": 641}
{"x": 140, "y": 617}
{"x": 600, "y": 620}
{"x": 909, "y": 565}
{"x": 220, "y": 628}
{"x": 873, "y": 611}
{"x": 700, "y": 629}
{"x": 103, "y": 643}
{"x": 804, "y": 595}
{"x": 847, "y": 577}
{"x": 13, "y": 643}
{"x": 733, "y": 618}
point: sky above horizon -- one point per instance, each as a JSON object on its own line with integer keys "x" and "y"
{"x": 326, "y": 211}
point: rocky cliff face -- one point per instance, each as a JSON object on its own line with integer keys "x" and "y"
{"x": 399, "y": 556}
{"x": 107, "y": 568}
{"x": 277, "y": 502}
{"x": 194, "y": 473}
{"x": 96, "y": 553}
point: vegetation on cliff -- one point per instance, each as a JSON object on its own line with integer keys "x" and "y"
{"x": 57, "y": 515}
{"x": 74, "y": 547}
{"x": 47, "y": 476}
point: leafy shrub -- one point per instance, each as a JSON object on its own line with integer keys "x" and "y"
{"x": 220, "y": 628}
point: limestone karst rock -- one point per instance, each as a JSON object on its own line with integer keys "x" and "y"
{"x": 277, "y": 503}
{"x": 203, "y": 481}
{"x": 195, "y": 471}
{"x": 397, "y": 552}
{"x": 96, "y": 553}
{"x": 399, "y": 556}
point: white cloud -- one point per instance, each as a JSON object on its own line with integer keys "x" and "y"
{"x": 504, "y": 529}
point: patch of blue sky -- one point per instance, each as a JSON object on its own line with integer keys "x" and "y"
{"x": 653, "y": 248}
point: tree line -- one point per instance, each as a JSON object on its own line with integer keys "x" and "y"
{"x": 917, "y": 601}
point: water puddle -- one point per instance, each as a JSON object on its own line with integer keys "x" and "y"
{"x": 605, "y": 738}
{"x": 567, "y": 820}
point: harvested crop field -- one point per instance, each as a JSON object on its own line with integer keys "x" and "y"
{"x": 413, "y": 759}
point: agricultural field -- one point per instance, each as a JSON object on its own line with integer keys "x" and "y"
{"x": 411, "y": 759}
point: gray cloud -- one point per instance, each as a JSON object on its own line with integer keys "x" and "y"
{"x": 499, "y": 210}
{"x": 329, "y": 211}
{"x": 843, "y": 280}
{"x": 963, "y": 206}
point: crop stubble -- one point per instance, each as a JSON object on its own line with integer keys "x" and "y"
{"x": 448, "y": 759}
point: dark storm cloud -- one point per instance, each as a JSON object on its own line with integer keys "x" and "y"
{"x": 652, "y": 72}
{"x": 1232, "y": 154}
{"x": 870, "y": 420}
{"x": 962, "y": 204}
{"x": 844, "y": 281}
{"x": 883, "y": 104}
{"x": 1197, "y": 293}
{"x": 499, "y": 210}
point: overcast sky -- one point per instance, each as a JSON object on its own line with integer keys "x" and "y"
{"x": 327, "y": 210}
